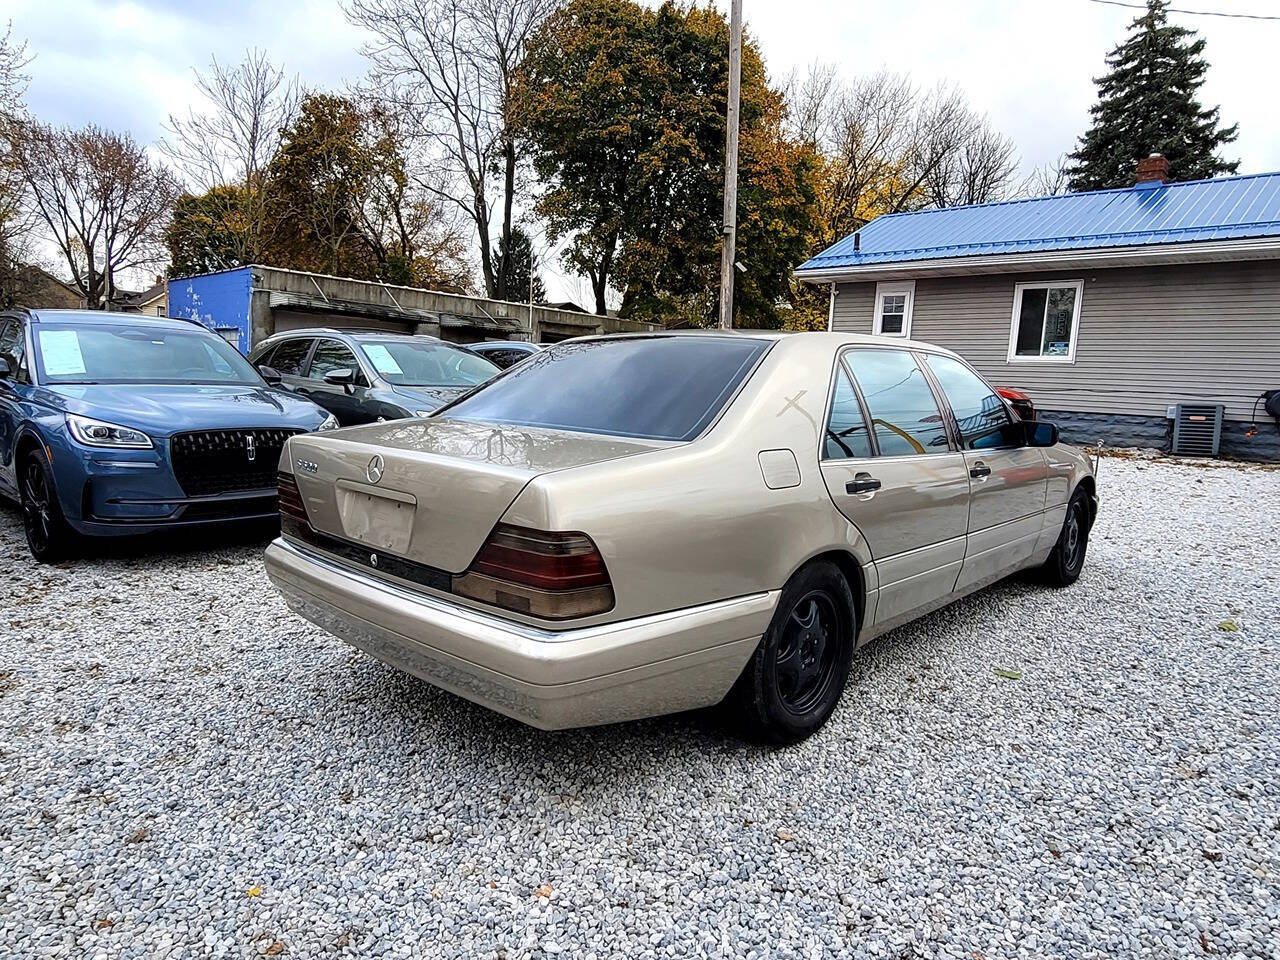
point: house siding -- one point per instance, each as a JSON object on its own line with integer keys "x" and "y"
{"x": 1147, "y": 337}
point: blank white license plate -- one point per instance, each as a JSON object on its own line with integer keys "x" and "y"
{"x": 377, "y": 520}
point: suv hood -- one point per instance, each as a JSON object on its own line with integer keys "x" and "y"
{"x": 161, "y": 410}
{"x": 427, "y": 399}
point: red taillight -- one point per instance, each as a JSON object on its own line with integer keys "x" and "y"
{"x": 550, "y": 575}
{"x": 291, "y": 498}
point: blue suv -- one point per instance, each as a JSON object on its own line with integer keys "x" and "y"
{"x": 116, "y": 424}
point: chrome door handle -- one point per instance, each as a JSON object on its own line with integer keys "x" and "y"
{"x": 862, "y": 483}
{"x": 979, "y": 469}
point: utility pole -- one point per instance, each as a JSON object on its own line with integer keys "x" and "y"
{"x": 730, "y": 227}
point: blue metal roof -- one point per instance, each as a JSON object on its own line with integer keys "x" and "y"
{"x": 1227, "y": 208}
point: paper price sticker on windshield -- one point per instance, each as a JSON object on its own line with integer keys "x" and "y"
{"x": 61, "y": 352}
{"x": 382, "y": 359}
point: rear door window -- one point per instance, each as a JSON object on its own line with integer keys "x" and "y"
{"x": 288, "y": 358}
{"x": 904, "y": 413}
{"x": 846, "y": 429}
{"x": 658, "y": 388}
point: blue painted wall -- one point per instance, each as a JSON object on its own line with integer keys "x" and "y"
{"x": 220, "y": 301}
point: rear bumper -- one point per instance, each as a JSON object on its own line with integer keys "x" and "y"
{"x": 549, "y": 679}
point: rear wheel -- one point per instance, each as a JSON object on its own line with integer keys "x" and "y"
{"x": 796, "y": 676}
{"x": 1067, "y": 559}
{"x": 49, "y": 537}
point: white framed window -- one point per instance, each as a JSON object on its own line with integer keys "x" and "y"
{"x": 1046, "y": 321}
{"x": 893, "y": 308}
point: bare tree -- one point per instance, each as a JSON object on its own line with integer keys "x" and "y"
{"x": 16, "y": 220}
{"x": 448, "y": 67}
{"x": 885, "y": 147}
{"x": 224, "y": 149}
{"x": 99, "y": 199}
{"x": 1050, "y": 180}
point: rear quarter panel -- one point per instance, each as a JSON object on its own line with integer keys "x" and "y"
{"x": 696, "y": 523}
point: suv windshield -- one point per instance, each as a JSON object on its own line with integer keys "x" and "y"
{"x": 426, "y": 363}
{"x": 136, "y": 353}
{"x": 655, "y": 388}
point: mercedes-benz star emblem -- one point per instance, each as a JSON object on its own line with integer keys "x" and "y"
{"x": 374, "y": 470}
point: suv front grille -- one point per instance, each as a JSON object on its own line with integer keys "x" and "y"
{"x": 226, "y": 461}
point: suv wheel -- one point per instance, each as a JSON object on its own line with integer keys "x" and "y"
{"x": 48, "y": 536}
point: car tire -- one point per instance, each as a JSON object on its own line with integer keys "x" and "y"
{"x": 1063, "y": 567}
{"x": 798, "y": 672}
{"x": 49, "y": 538}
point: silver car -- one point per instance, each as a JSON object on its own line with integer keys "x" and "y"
{"x": 635, "y": 525}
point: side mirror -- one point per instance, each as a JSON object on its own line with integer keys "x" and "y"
{"x": 1040, "y": 433}
{"x": 270, "y": 374}
{"x": 6, "y": 371}
{"x": 343, "y": 377}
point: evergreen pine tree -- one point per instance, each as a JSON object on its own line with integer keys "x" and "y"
{"x": 1147, "y": 104}
{"x": 521, "y": 262}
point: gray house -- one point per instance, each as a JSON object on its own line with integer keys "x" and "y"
{"x": 1146, "y": 316}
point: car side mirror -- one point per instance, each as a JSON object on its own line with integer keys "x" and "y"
{"x": 270, "y": 374}
{"x": 343, "y": 377}
{"x": 1040, "y": 434}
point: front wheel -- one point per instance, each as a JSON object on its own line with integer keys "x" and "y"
{"x": 796, "y": 676}
{"x": 1067, "y": 559}
{"x": 49, "y": 537}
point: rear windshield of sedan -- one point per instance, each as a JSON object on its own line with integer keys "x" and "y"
{"x": 654, "y": 388}
{"x": 425, "y": 363}
{"x": 136, "y": 353}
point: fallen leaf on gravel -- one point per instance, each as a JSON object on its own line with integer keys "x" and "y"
{"x": 1188, "y": 772}
{"x": 1229, "y": 625}
{"x": 1204, "y": 943}
{"x": 104, "y": 923}
{"x": 138, "y": 835}
{"x": 1213, "y": 856}
{"x": 254, "y": 891}
{"x": 493, "y": 885}
{"x": 275, "y": 949}
{"x": 1008, "y": 674}
{"x": 1054, "y": 851}
{"x": 544, "y": 891}
{"x": 785, "y": 835}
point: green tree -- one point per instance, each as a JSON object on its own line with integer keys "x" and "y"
{"x": 1147, "y": 103}
{"x": 623, "y": 108}
{"x": 342, "y": 200}
{"x": 519, "y": 271}
{"x": 208, "y": 231}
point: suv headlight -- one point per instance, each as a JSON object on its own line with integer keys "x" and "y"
{"x": 330, "y": 423}
{"x": 99, "y": 433}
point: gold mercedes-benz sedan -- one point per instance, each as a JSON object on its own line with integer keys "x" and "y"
{"x": 619, "y": 527}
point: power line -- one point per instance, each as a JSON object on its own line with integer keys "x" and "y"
{"x": 1194, "y": 13}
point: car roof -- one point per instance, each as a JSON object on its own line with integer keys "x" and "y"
{"x": 112, "y": 318}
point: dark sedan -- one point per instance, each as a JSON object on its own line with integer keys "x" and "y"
{"x": 505, "y": 353}
{"x": 115, "y": 424}
{"x": 364, "y": 377}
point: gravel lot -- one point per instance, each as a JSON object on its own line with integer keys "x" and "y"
{"x": 186, "y": 770}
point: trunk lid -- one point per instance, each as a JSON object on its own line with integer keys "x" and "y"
{"x": 432, "y": 490}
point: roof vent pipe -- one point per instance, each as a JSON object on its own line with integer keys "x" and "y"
{"x": 857, "y": 240}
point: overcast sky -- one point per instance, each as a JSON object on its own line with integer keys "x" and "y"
{"x": 1029, "y": 64}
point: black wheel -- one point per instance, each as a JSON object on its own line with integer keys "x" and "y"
{"x": 1067, "y": 559}
{"x": 796, "y": 676}
{"x": 48, "y": 536}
